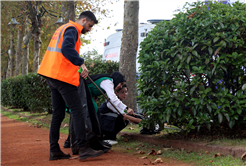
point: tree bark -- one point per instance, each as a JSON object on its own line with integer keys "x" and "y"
{"x": 18, "y": 50}
{"x": 25, "y": 58}
{"x": 35, "y": 17}
{"x": 8, "y": 73}
{"x": 36, "y": 56}
{"x": 128, "y": 50}
{"x": 68, "y": 10}
{"x": 11, "y": 66}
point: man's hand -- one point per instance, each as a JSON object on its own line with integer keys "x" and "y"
{"x": 130, "y": 111}
{"x": 85, "y": 71}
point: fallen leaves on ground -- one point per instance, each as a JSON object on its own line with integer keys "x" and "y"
{"x": 72, "y": 158}
{"x": 159, "y": 152}
{"x": 38, "y": 140}
{"x": 137, "y": 148}
{"x": 158, "y": 160}
{"x": 129, "y": 148}
{"x": 216, "y": 155}
{"x": 140, "y": 152}
{"x": 131, "y": 128}
{"x": 153, "y": 152}
{"x": 243, "y": 157}
{"x": 65, "y": 125}
{"x": 144, "y": 157}
{"x": 126, "y": 140}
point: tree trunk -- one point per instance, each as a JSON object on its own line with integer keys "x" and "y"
{"x": 25, "y": 58}
{"x": 36, "y": 56}
{"x": 18, "y": 50}
{"x": 8, "y": 73}
{"x": 35, "y": 16}
{"x": 11, "y": 66}
{"x": 68, "y": 10}
{"x": 128, "y": 50}
{"x": 5, "y": 72}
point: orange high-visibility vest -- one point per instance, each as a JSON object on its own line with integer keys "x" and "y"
{"x": 54, "y": 64}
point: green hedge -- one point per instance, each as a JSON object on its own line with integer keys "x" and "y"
{"x": 32, "y": 93}
{"x": 193, "y": 67}
{"x": 28, "y": 92}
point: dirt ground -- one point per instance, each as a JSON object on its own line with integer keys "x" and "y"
{"x": 22, "y": 144}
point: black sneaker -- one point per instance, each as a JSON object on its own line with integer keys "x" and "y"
{"x": 87, "y": 152}
{"x": 58, "y": 155}
{"x": 98, "y": 145}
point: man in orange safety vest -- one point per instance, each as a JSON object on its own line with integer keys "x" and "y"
{"x": 60, "y": 66}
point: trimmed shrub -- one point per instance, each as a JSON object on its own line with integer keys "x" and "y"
{"x": 11, "y": 93}
{"x": 36, "y": 93}
{"x": 193, "y": 67}
{"x": 5, "y": 96}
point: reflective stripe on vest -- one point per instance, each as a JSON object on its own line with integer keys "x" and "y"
{"x": 52, "y": 49}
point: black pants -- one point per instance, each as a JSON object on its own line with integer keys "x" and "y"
{"x": 62, "y": 93}
{"x": 119, "y": 125}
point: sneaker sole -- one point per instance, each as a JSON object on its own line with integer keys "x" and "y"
{"x": 106, "y": 150}
{"x": 58, "y": 158}
{"x": 85, "y": 157}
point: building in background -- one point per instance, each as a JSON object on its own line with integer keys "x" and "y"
{"x": 112, "y": 44}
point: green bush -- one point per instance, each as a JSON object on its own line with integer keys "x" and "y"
{"x": 102, "y": 67}
{"x": 36, "y": 93}
{"x": 11, "y": 93}
{"x": 5, "y": 96}
{"x": 28, "y": 92}
{"x": 193, "y": 67}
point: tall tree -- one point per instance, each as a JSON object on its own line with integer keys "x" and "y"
{"x": 11, "y": 66}
{"x": 25, "y": 56}
{"x": 68, "y": 10}
{"x": 128, "y": 50}
{"x": 35, "y": 13}
{"x": 19, "y": 47}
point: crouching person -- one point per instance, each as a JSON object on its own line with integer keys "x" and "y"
{"x": 111, "y": 122}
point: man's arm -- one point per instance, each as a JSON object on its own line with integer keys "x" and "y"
{"x": 68, "y": 46}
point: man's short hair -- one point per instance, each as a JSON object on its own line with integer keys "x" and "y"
{"x": 88, "y": 15}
